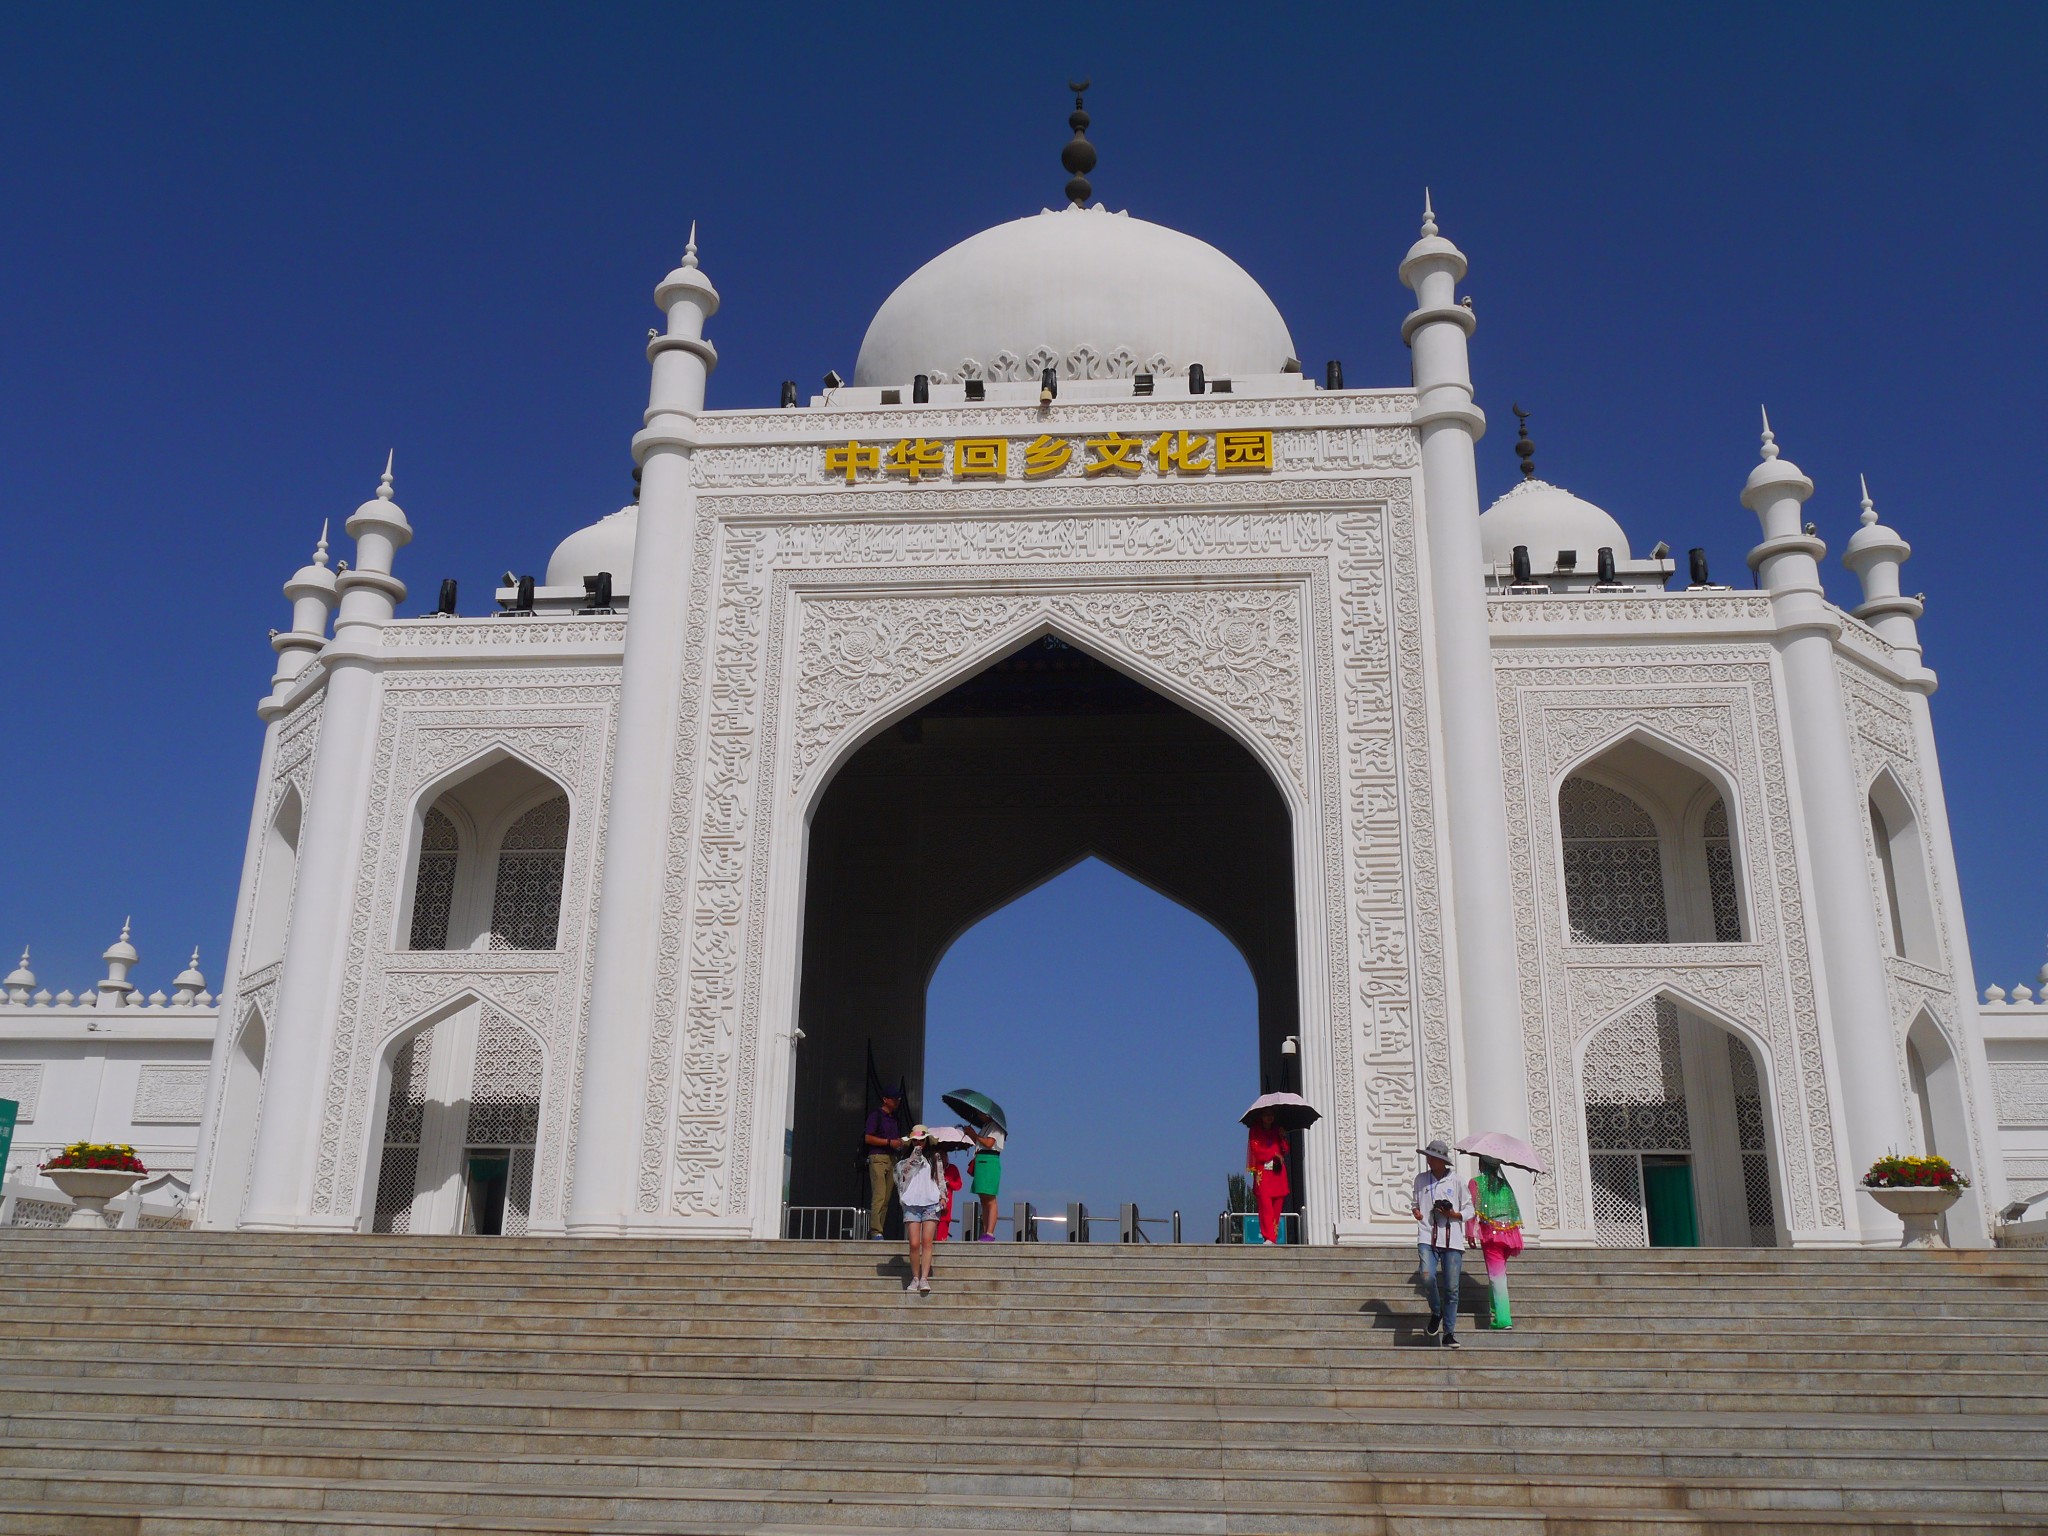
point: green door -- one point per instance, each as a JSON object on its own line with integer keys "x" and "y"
{"x": 488, "y": 1172}
{"x": 1667, "y": 1202}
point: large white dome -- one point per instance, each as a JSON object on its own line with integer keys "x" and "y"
{"x": 1547, "y": 518}
{"x": 1092, "y": 293}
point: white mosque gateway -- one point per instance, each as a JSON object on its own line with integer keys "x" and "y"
{"x": 581, "y": 917}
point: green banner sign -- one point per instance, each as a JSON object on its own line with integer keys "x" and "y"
{"x": 9, "y": 1113}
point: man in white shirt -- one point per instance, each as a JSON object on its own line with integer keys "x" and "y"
{"x": 1442, "y": 1206}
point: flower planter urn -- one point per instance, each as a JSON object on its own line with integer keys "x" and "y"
{"x": 90, "y": 1189}
{"x": 1919, "y": 1210}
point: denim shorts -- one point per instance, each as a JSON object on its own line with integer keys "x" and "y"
{"x": 920, "y": 1213}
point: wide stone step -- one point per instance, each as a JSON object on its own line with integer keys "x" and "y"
{"x": 950, "y": 1501}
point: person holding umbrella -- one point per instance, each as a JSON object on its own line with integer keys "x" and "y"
{"x": 989, "y": 1130}
{"x": 1267, "y": 1154}
{"x": 1497, "y": 1226}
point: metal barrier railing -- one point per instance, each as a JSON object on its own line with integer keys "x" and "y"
{"x": 1233, "y": 1227}
{"x": 824, "y": 1223}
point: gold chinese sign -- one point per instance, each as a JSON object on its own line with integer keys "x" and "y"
{"x": 917, "y": 459}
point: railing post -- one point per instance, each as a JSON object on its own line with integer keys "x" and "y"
{"x": 1077, "y": 1222}
{"x": 1127, "y": 1224}
{"x": 1023, "y": 1222}
{"x": 1176, "y": 1226}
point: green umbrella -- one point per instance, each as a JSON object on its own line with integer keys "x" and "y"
{"x": 976, "y": 1107}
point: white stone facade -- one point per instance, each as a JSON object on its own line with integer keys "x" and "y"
{"x": 1765, "y": 977}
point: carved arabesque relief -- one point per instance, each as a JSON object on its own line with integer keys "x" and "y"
{"x": 860, "y": 653}
{"x": 1719, "y": 703}
{"x": 559, "y": 720}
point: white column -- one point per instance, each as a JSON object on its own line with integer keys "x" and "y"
{"x": 1833, "y": 808}
{"x": 1482, "y": 907}
{"x": 330, "y": 843}
{"x": 603, "y": 1194}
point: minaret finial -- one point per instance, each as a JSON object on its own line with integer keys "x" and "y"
{"x": 690, "y": 250}
{"x": 124, "y": 928}
{"x": 1079, "y": 155}
{"x": 384, "y": 485}
{"x": 1524, "y": 449}
{"x": 320, "y": 549}
{"x": 1428, "y": 216}
{"x": 1770, "y": 442}
{"x": 1869, "y": 511}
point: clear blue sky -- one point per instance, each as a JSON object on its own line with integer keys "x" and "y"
{"x": 248, "y": 249}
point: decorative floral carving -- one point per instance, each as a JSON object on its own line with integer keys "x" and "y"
{"x": 1718, "y": 702}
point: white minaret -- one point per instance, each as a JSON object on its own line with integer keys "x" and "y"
{"x": 605, "y": 1195}
{"x": 121, "y": 957}
{"x": 21, "y": 981}
{"x": 1875, "y": 554}
{"x": 312, "y": 594}
{"x": 281, "y": 1193}
{"x": 1834, "y": 805}
{"x": 1482, "y": 909}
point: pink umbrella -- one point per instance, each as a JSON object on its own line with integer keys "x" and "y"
{"x": 949, "y": 1136}
{"x": 1503, "y": 1148}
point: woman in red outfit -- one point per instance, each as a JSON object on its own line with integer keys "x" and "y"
{"x": 1265, "y": 1160}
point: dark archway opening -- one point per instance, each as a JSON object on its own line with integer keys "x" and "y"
{"x": 1041, "y": 760}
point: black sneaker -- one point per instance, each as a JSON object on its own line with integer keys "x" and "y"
{"x": 1436, "y": 1326}
{"x": 1451, "y": 1341}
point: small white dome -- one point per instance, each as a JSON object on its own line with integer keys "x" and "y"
{"x": 1092, "y": 293}
{"x": 606, "y": 545}
{"x": 1547, "y": 518}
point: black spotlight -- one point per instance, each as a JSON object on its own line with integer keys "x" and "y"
{"x": 976, "y": 390}
{"x": 1141, "y": 384}
{"x": 1333, "y": 374}
{"x": 599, "y": 587}
{"x": 1198, "y": 379}
{"x": 1524, "y": 573}
{"x": 1604, "y": 559}
{"x": 789, "y": 394}
{"x": 832, "y": 379}
{"x": 921, "y": 389}
{"x": 1048, "y": 386}
{"x": 447, "y": 606}
{"x": 1567, "y": 559}
{"x": 523, "y": 603}
{"x": 1697, "y": 560}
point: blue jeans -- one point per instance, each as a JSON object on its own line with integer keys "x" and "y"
{"x": 1440, "y": 1272}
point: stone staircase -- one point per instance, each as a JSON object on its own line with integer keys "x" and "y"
{"x": 182, "y": 1384}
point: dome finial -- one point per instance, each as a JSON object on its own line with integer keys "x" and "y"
{"x": 320, "y": 549}
{"x": 384, "y": 485}
{"x": 1079, "y": 155}
{"x": 690, "y": 249}
{"x": 1524, "y": 449}
{"x": 1770, "y": 441}
{"x": 1428, "y": 216}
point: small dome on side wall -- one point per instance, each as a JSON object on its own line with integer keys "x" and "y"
{"x": 606, "y": 545}
{"x": 1547, "y": 518}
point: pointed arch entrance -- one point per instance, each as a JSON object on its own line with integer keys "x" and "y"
{"x": 1045, "y": 757}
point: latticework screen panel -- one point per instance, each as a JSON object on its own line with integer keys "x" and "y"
{"x": 504, "y": 1098}
{"x": 526, "y": 905}
{"x": 1619, "y": 1220}
{"x": 404, "y": 1115}
{"x": 1750, "y": 1134}
{"x": 1721, "y": 876}
{"x": 433, "y": 891}
{"x": 1635, "y": 1084}
{"x": 1613, "y": 867}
